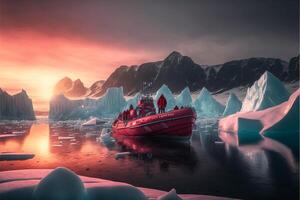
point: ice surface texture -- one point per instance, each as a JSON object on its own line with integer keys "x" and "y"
{"x": 233, "y": 105}
{"x": 268, "y": 91}
{"x": 184, "y": 98}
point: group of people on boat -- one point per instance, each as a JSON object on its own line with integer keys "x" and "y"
{"x": 145, "y": 107}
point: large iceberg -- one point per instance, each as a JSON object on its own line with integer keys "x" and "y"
{"x": 184, "y": 98}
{"x": 168, "y": 95}
{"x": 207, "y": 106}
{"x": 268, "y": 91}
{"x": 16, "y": 107}
{"x": 279, "y": 122}
{"x": 113, "y": 101}
{"x": 233, "y": 105}
{"x": 62, "y": 108}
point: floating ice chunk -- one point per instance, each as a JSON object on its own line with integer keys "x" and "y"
{"x": 233, "y": 105}
{"x": 167, "y": 94}
{"x": 16, "y": 156}
{"x": 122, "y": 155}
{"x": 184, "y": 98}
{"x": 268, "y": 91}
{"x": 172, "y": 195}
{"x": 106, "y": 138}
{"x": 207, "y": 106}
{"x": 60, "y": 184}
{"x": 4, "y": 136}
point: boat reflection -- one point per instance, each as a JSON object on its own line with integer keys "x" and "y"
{"x": 167, "y": 152}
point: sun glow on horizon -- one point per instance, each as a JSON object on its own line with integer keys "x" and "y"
{"x": 35, "y": 63}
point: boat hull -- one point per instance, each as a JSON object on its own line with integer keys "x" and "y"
{"x": 176, "y": 124}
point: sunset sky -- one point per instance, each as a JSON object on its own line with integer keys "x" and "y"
{"x": 43, "y": 41}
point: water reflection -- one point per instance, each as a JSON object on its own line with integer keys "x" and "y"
{"x": 168, "y": 153}
{"x": 206, "y": 165}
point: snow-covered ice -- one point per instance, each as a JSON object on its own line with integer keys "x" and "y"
{"x": 266, "y": 92}
{"x": 207, "y": 106}
{"x": 184, "y": 98}
{"x": 60, "y": 184}
{"x": 168, "y": 95}
{"x": 24, "y": 184}
{"x": 233, "y": 105}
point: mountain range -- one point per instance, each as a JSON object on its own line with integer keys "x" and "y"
{"x": 178, "y": 71}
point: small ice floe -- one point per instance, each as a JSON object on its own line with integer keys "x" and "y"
{"x": 56, "y": 145}
{"x": 4, "y": 136}
{"x": 15, "y": 156}
{"x": 121, "y": 155}
{"x": 94, "y": 122}
{"x": 18, "y": 132}
{"x": 219, "y": 142}
{"x": 105, "y": 137}
{"x": 66, "y": 137}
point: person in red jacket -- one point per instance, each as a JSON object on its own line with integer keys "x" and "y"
{"x": 161, "y": 104}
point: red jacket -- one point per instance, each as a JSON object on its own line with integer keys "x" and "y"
{"x": 162, "y": 102}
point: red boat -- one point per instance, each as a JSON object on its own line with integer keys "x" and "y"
{"x": 175, "y": 124}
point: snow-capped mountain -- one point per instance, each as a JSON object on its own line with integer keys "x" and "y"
{"x": 95, "y": 88}
{"x": 178, "y": 71}
{"x": 17, "y": 107}
{"x": 69, "y": 88}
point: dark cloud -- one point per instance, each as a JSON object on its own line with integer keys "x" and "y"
{"x": 211, "y": 31}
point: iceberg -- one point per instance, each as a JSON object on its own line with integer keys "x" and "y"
{"x": 113, "y": 101}
{"x": 233, "y": 105}
{"x": 268, "y": 91}
{"x": 207, "y": 106}
{"x": 62, "y": 108}
{"x": 168, "y": 95}
{"x": 134, "y": 100}
{"x": 184, "y": 98}
{"x": 16, "y": 107}
{"x": 279, "y": 122}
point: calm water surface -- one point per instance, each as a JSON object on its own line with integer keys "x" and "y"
{"x": 206, "y": 165}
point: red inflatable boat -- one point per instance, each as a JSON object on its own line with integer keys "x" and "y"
{"x": 175, "y": 124}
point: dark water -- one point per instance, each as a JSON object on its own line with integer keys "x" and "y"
{"x": 264, "y": 170}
